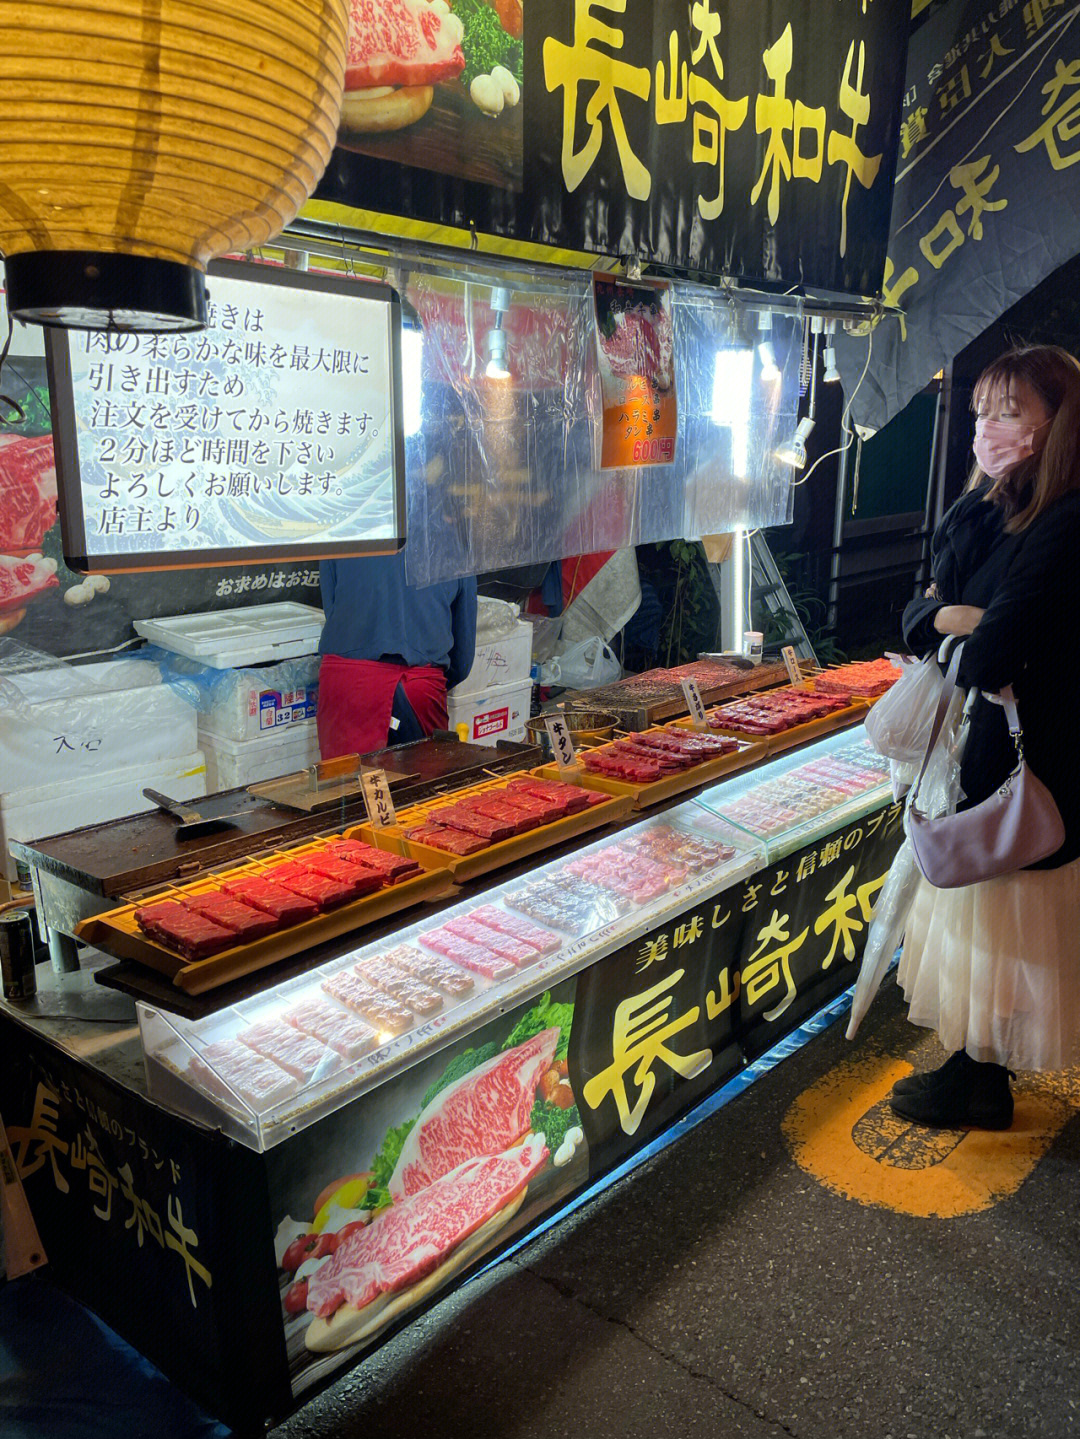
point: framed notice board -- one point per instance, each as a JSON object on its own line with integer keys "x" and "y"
{"x": 274, "y": 434}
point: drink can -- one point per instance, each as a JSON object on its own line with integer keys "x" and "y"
{"x": 752, "y": 642}
{"x": 17, "y": 955}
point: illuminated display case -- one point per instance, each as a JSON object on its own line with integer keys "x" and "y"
{"x": 269, "y": 1066}
{"x": 799, "y": 797}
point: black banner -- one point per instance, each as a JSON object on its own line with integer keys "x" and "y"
{"x": 755, "y": 140}
{"x": 663, "y": 1021}
{"x": 159, "y": 1227}
{"x": 986, "y": 202}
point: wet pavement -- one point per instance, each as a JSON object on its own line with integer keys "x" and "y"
{"x": 801, "y": 1263}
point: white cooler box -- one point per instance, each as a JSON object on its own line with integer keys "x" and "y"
{"x": 500, "y": 662}
{"x": 242, "y": 704}
{"x": 83, "y": 721}
{"x": 34, "y": 813}
{"x": 231, "y": 763}
{"x": 498, "y": 713}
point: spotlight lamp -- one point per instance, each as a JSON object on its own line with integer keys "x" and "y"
{"x": 794, "y": 451}
{"x": 831, "y": 375}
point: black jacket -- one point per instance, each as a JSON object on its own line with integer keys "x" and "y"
{"x": 1029, "y": 586}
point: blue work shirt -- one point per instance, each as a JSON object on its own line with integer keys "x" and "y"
{"x": 371, "y": 613}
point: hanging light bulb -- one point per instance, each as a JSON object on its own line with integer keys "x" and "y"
{"x": 832, "y": 374}
{"x": 143, "y": 141}
{"x": 794, "y": 451}
{"x": 770, "y": 370}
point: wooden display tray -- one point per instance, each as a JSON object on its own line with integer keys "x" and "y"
{"x": 118, "y": 933}
{"x": 503, "y": 852}
{"x": 798, "y": 734}
{"x": 644, "y": 796}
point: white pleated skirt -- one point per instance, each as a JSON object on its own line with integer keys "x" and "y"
{"x": 994, "y": 968}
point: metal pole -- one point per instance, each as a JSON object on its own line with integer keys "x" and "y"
{"x": 838, "y": 538}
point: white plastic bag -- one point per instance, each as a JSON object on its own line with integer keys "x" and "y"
{"x": 588, "y": 664}
{"x": 899, "y": 724}
{"x": 940, "y": 794}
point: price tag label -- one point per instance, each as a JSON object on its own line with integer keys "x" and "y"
{"x": 377, "y": 801}
{"x": 791, "y": 664}
{"x": 562, "y": 745}
{"x": 694, "y": 704}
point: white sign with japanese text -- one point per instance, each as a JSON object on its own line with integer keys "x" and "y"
{"x": 791, "y": 664}
{"x": 695, "y": 704}
{"x": 562, "y": 746}
{"x": 379, "y": 805}
{"x": 273, "y": 433}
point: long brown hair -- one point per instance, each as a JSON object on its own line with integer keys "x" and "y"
{"x": 1054, "y": 375}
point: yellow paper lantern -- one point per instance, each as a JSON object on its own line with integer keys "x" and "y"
{"x": 139, "y": 139}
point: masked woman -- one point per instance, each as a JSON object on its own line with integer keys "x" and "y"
{"x": 994, "y": 967}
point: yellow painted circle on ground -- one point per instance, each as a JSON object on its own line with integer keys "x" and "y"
{"x": 843, "y": 1133}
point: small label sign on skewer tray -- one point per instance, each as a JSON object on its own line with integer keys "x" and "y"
{"x": 695, "y": 705}
{"x": 791, "y": 664}
{"x": 377, "y": 801}
{"x": 562, "y": 746}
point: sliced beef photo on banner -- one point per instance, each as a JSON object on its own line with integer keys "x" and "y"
{"x": 987, "y": 199}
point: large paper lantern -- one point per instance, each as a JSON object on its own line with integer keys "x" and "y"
{"x": 139, "y": 139}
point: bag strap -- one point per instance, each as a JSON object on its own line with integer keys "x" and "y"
{"x": 948, "y": 684}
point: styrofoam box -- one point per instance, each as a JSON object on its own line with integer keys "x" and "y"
{"x": 504, "y": 661}
{"x": 225, "y": 639}
{"x": 494, "y": 714}
{"x": 231, "y": 762}
{"x": 29, "y": 814}
{"x": 246, "y": 703}
{"x": 83, "y": 721}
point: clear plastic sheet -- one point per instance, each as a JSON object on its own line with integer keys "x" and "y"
{"x": 238, "y": 704}
{"x": 500, "y": 470}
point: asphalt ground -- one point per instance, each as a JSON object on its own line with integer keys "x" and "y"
{"x": 801, "y": 1263}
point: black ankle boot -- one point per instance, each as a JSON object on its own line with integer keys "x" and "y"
{"x": 963, "y": 1093}
{"x": 950, "y": 1070}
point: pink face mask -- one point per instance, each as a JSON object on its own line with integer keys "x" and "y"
{"x": 1000, "y": 445}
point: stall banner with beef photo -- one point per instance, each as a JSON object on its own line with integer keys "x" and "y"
{"x": 635, "y": 346}
{"x": 756, "y": 140}
{"x": 383, "y": 1204}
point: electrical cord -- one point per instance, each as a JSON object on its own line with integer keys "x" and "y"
{"x": 844, "y": 430}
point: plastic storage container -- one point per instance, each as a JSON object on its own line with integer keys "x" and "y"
{"x": 242, "y": 704}
{"x": 82, "y": 721}
{"x": 501, "y": 661}
{"x": 230, "y": 762}
{"x": 500, "y": 712}
{"x": 226, "y": 639}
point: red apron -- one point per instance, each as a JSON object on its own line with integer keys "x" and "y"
{"x": 357, "y": 696}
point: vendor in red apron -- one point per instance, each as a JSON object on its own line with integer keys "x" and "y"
{"x": 389, "y": 653}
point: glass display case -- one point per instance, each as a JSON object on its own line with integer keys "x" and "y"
{"x": 268, "y": 1066}
{"x": 799, "y": 797}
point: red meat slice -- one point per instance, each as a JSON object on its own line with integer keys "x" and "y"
{"x": 506, "y": 923}
{"x": 460, "y": 816}
{"x": 391, "y": 866}
{"x": 324, "y": 1021}
{"x": 23, "y": 580}
{"x": 504, "y": 945}
{"x": 401, "y": 42}
{"x": 544, "y": 808}
{"x": 298, "y": 1054}
{"x": 475, "y": 957}
{"x": 572, "y": 797}
{"x": 492, "y": 807}
{"x": 358, "y": 881}
{"x": 229, "y": 1068}
{"x": 412, "y": 1237}
{"x": 244, "y": 921}
{"x": 273, "y": 899}
{"x": 326, "y": 892}
{"x": 454, "y": 841}
{"x": 182, "y": 930}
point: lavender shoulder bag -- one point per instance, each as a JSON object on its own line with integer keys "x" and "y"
{"x": 1018, "y": 825}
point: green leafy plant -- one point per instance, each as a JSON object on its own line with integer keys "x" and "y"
{"x": 691, "y": 622}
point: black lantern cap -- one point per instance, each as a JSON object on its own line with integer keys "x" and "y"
{"x": 100, "y": 290}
